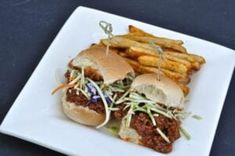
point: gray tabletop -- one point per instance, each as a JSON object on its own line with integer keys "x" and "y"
{"x": 27, "y": 28}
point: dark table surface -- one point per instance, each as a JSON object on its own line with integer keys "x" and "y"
{"x": 27, "y": 28}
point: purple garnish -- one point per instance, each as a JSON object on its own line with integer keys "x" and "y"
{"x": 91, "y": 89}
{"x": 108, "y": 100}
{"x": 95, "y": 98}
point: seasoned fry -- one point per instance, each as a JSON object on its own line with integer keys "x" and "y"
{"x": 121, "y": 42}
{"x": 179, "y": 60}
{"x": 180, "y": 55}
{"x": 189, "y": 57}
{"x": 167, "y": 64}
{"x": 198, "y": 58}
{"x": 185, "y": 59}
{"x": 126, "y": 41}
{"x": 137, "y": 31}
{"x": 123, "y": 54}
{"x": 135, "y": 48}
{"x": 185, "y": 89}
{"x": 179, "y": 78}
{"x": 177, "y": 63}
{"x": 196, "y": 65}
{"x": 159, "y": 42}
{"x": 135, "y": 65}
{"x": 137, "y": 51}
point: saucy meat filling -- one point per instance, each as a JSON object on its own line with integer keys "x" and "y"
{"x": 149, "y": 136}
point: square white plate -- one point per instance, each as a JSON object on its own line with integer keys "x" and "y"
{"x": 36, "y": 115}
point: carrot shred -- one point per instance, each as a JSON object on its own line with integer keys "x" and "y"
{"x": 71, "y": 79}
{"x": 62, "y": 86}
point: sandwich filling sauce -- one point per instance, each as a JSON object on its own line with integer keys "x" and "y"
{"x": 156, "y": 132}
{"x": 81, "y": 100}
{"x": 89, "y": 97}
{"x": 149, "y": 136}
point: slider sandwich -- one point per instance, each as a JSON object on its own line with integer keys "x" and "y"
{"x": 150, "y": 112}
{"x": 94, "y": 80}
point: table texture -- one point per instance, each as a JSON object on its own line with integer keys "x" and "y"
{"x": 27, "y": 28}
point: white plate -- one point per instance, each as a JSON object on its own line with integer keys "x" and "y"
{"x": 36, "y": 115}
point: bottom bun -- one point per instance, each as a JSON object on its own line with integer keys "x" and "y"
{"x": 80, "y": 114}
{"x": 129, "y": 134}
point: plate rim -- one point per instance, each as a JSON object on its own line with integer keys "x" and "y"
{"x": 10, "y": 133}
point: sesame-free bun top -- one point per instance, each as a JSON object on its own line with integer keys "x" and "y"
{"x": 164, "y": 91}
{"x": 111, "y": 67}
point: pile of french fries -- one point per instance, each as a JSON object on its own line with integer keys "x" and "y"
{"x": 176, "y": 63}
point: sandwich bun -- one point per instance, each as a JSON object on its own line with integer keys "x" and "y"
{"x": 129, "y": 134}
{"x": 81, "y": 114}
{"x": 111, "y": 67}
{"x": 163, "y": 91}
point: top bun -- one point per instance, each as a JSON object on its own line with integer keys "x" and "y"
{"x": 111, "y": 67}
{"x": 163, "y": 91}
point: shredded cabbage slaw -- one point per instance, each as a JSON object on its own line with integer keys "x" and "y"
{"x": 94, "y": 90}
{"x": 139, "y": 103}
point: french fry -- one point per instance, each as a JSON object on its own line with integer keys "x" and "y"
{"x": 198, "y": 58}
{"x": 180, "y": 55}
{"x": 134, "y": 64}
{"x": 122, "y": 42}
{"x": 134, "y": 48}
{"x": 177, "y": 77}
{"x": 134, "y": 52}
{"x": 180, "y": 78}
{"x": 195, "y": 60}
{"x": 126, "y": 42}
{"x": 177, "y": 63}
{"x": 137, "y": 51}
{"x": 137, "y": 31}
{"x": 123, "y": 54}
{"x": 159, "y": 42}
{"x": 185, "y": 89}
{"x": 190, "y": 57}
{"x": 167, "y": 64}
{"x": 179, "y": 60}
{"x": 196, "y": 65}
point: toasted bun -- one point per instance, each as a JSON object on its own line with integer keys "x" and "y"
{"x": 128, "y": 134}
{"x": 81, "y": 114}
{"x": 165, "y": 91}
{"x": 111, "y": 67}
